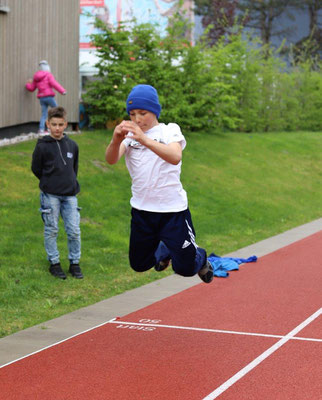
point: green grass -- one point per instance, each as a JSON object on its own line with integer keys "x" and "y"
{"x": 242, "y": 188}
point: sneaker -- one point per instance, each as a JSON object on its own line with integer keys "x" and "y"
{"x": 162, "y": 265}
{"x": 206, "y": 273}
{"x": 55, "y": 270}
{"x": 75, "y": 270}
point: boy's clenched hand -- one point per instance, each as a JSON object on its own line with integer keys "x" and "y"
{"x": 125, "y": 127}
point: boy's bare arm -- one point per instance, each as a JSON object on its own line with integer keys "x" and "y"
{"x": 115, "y": 149}
{"x": 171, "y": 153}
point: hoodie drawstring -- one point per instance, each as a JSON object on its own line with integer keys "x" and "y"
{"x": 61, "y": 154}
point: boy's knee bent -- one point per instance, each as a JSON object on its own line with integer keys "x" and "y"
{"x": 141, "y": 262}
{"x": 183, "y": 261}
{"x": 188, "y": 261}
{"x": 139, "y": 267}
{"x": 184, "y": 269}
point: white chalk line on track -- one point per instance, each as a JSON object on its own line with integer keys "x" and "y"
{"x": 213, "y": 395}
{"x": 118, "y": 321}
{"x": 190, "y": 328}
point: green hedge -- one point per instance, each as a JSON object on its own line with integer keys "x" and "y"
{"x": 232, "y": 86}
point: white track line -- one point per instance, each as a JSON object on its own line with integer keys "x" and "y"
{"x": 55, "y": 344}
{"x": 190, "y": 328}
{"x": 213, "y": 395}
{"x": 120, "y": 322}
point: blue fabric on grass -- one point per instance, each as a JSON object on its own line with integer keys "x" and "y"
{"x": 223, "y": 264}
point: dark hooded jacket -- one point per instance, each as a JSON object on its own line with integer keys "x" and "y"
{"x": 55, "y": 164}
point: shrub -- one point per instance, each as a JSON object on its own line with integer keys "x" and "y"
{"x": 237, "y": 84}
{"x": 131, "y": 55}
{"x": 308, "y": 92}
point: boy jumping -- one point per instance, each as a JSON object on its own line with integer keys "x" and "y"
{"x": 161, "y": 225}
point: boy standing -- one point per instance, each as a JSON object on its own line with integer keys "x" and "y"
{"x": 161, "y": 225}
{"x": 55, "y": 164}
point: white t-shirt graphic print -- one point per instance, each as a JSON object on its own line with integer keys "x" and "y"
{"x": 156, "y": 183}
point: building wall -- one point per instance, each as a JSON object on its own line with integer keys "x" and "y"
{"x": 31, "y": 31}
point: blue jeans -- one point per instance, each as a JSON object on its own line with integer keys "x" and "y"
{"x": 51, "y": 207}
{"x": 45, "y": 102}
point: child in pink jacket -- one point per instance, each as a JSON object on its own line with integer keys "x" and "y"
{"x": 45, "y": 82}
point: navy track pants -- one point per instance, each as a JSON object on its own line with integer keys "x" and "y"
{"x": 158, "y": 236}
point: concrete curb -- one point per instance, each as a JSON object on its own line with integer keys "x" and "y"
{"x": 24, "y": 137}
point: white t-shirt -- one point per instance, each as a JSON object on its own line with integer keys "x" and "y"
{"x": 156, "y": 183}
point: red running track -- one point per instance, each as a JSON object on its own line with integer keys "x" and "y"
{"x": 256, "y": 335}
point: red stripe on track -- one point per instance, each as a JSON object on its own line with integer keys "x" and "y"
{"x": 117, "y": 361}
{"x": 292, "y": 373}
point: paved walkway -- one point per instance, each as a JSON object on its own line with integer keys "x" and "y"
{"x": 33, "y": 339}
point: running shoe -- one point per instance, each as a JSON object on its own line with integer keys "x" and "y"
{"x": 206, "y": 273}
{"x": 162, "y": 265}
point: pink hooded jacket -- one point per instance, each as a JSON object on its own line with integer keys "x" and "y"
{"x": 44, "y": 81}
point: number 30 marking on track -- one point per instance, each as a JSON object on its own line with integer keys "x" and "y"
{"x": 141, "y": 328}
{"x": 150, "y": 321}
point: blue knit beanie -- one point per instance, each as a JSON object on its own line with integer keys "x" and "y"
{"x": 143, "y": 97}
